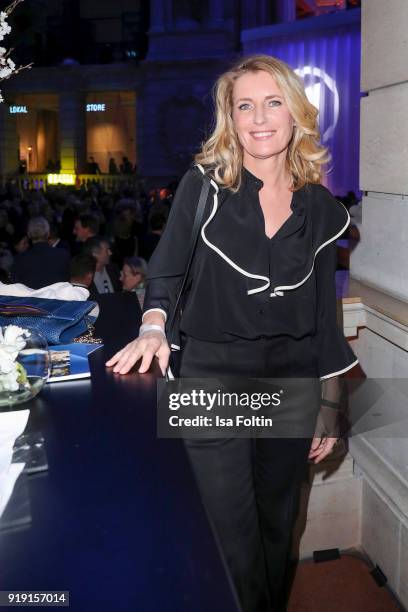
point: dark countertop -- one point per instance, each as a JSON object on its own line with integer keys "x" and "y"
{"x": 117, "y": 519}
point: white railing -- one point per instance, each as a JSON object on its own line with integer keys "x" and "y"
{"x": 108, "y": 181}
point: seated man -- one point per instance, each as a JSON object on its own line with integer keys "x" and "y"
{"x": 106, "y": 276}
{"x": 40, "y": 265}
{"x": 81, "y": 273}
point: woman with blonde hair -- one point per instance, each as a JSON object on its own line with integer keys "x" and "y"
{"x": 261, "y": 303}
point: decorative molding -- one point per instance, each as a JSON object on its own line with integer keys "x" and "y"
{"x": 358, "y": 314}
{"x": 354, "y": 316}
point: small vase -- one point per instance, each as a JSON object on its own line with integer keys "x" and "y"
{"x": 22, "y": 380}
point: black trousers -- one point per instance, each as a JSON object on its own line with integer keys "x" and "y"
{"x": 250, "y": 487}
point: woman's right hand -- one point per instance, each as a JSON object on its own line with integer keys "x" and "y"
{"x": 147, "y": 346}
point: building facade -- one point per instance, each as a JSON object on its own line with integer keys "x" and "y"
{"x": 157, "y": 110}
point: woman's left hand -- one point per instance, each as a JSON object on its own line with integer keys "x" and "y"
{"x": 321, "y": 447}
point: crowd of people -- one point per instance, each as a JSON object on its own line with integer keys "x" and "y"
{"x": 88, "y": 236}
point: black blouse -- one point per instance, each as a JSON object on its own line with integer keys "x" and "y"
{"x": 248, "y": 285}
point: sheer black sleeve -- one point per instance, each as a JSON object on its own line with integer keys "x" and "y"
{"x": 335, "y": 356}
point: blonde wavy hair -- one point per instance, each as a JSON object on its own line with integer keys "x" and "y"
{"x": 222, "y": 154}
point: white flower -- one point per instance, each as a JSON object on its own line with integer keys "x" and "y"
{"x": 8, "y": 382}
{"x": 5, "y": 72}
{"x": 7, "y": 66}
{"x": 13, "y": 334}
{"x": 7, "y": 364}
{"x": 4, "y": 29}
{"x": 11, "y": 343}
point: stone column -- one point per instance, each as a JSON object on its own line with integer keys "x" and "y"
{"x": 168, "y": 14}
{"x": 72, "y": 125}
{"x": 183, "y": 16}
{"x": 215, "y": 14}
{"x": 248, "y": 14}
{"x": 157, "y": 16}
{"x": 381, "y": 255}
{"x": 285, "y": 10}
{"x": 8, "y": 143}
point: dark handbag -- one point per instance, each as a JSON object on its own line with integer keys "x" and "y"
{"x": 172, "y": 332}
{"x": 60, "y": 321}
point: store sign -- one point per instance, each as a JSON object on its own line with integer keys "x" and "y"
{"x": 90, "y": 108}
{"x": 14, "y": 110}
{"x": 95, "y": 108}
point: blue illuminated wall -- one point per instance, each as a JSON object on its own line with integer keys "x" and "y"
{"x": 325, "y": 51}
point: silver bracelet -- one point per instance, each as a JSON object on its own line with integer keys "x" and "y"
{"x": 147, "y": 328}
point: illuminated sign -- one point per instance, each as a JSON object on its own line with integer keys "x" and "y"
{"x": 18, "y": 110}
{"x": 63, "y": 179}
{"x": 95, "y": 108}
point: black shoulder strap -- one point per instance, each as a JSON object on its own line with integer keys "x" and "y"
{"x": 193, "y": 243}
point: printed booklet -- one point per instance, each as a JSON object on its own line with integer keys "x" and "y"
{"x": 70, "y": 361}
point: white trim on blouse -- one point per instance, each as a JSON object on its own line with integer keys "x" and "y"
{"x": 278, "y": 290}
